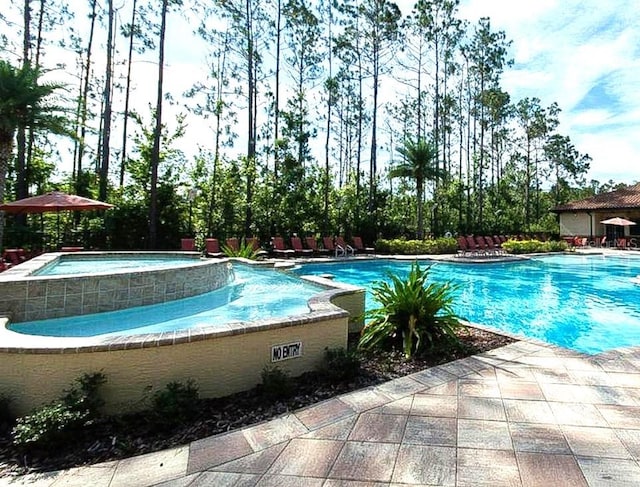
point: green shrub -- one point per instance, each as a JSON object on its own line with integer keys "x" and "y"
{"x": 276, "y": 383}
{"x": 177, "y": 402}
{"x": 441, "y": 245}
{"x": 245, "y": 250}
{"x": 340, "y": 364}
{"x": 412, "y": 314}
{"x": 533, "y": 246}
{"x": 52, "y": 423}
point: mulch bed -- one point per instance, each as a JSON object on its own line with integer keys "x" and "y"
{"x": 124, "y": 436}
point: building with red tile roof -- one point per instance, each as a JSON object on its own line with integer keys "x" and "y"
{"x": 584, "y": 217}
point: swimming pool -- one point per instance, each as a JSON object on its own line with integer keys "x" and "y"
{"x": 584, "y": 303}
{"x": 249, "y": 297}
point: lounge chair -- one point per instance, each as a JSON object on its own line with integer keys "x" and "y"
{"x": 212, "y": 247}
{"x": 472, "y": 246}
{"x": 463, "y": 248}
{"x": 348, "y": 249}
{"x": 492, "y": 247}
{"x": 312, "y": 243}
{"x": 298, "y": 249}
{"x": 188, "y": 244}
{"x": 331, "y": 247}
{"x": 359, "y": 246}
{"x": 278, "y": 247}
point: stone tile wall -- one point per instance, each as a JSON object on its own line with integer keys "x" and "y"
{"x": 29, "y": 298}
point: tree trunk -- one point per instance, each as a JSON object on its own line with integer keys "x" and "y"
{"x": 6, "y": 151}
{"x": 155, "y": 154}
{"x": 84, "y": 98}
{"x": 106, "y": 125}
{"x": 127, "y": 93}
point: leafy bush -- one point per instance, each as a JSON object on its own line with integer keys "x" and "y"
{"x": 53, "y": 422}
{"x": 412, "y": 314}
{"x": 177, "y": 402}
{"x": 245, "y": 250}
{"x": 442, "y": 245}
{"x": 340, "y": 364}
{"x": 276, "y": 383}
{"x": 533, "y": 246}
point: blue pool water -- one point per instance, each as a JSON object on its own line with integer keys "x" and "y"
{"x": 255, "y": 294}
{"x": 77, "y": 265}
{"x": 584, "y": 303}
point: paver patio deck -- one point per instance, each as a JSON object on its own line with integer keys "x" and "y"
{"x": 526, "y": 414}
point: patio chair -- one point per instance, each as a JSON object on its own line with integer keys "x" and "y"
{"x": 14, "y": 256}
{"x": 278, "y": 247}
{"x": 463, "y": 249}
{"x": 491, "y": 246}
{"x": 312, "y": 243}
{"x": 298, "y": 249}
{"x": 359, "y": 246}
{"x": 188, "y": 244}
{"x": 472, "y": 246}
{"x": 481, "y": 246}
{"x": 331, "y": 247}
{"x": 348, "y": 249}
{"x": 212, "y": 247}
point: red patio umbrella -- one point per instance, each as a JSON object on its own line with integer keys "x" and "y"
{"x": 54, "y": 201}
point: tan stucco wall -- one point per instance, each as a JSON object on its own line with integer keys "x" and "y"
{"x": 219, "y": 366}
{"x": 355, "y": 305}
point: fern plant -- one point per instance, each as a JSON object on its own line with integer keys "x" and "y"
{"x": 412, "y": 314}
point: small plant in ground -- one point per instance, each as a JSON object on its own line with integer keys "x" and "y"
{"x": 54, "y": 422}
{"x": 340, "y": 364}
{"x": 177, "y": 402}
{"x": 441, "y": 245}
{"x": 413, "y": 315}
{"x": 245, "y": 250}
{"x": 276, "y": 383}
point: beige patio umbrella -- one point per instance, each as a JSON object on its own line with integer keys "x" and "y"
{"x": 621, "y": 222}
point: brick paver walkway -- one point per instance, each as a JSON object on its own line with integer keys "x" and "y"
{"x": 522, "y": 415}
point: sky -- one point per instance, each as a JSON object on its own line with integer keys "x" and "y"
{"x": 584, "y": 55}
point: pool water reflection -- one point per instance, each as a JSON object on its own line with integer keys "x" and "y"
{"x": 585, "y": 303}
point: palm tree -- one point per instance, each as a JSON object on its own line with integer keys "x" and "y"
{"x": 418, "y": 164}
{"x": 24, "y": 103}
